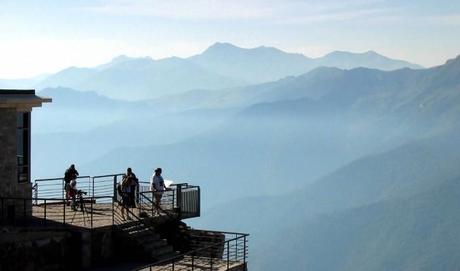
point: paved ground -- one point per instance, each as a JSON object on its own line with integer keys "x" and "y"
{"x": 202, "y": 263}
{"x": 101, "y": 214}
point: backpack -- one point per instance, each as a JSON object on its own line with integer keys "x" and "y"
{"x": 119, "y": 190}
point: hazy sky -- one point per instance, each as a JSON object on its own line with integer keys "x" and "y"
{"x": 44, "y": 36}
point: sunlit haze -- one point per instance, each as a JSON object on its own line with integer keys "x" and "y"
{"x": 46, "y": 36}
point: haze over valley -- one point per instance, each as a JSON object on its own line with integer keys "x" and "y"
{"x": 342, "y": 162}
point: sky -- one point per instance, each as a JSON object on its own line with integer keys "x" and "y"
{"x": 45, "y": 36}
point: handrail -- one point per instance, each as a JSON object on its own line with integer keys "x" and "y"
{"x": 155, "y": 204}
{"x": 179, "y": 201}
{"x": 52, "y": 213}
{"x": 183, "y": 198}
{"x": 194, "y": 252}
{"x": 59, "y": 179}
{"x": 108, "y": 175}
{"x": 51, "y": 187}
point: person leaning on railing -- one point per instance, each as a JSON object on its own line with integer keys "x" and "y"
{"x": 157, "y": 185}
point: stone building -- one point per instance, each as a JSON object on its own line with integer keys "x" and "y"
{"x": 46, "y": 233}
{"x": 15, "y": 119}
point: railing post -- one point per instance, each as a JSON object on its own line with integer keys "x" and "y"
{"x": 92, "y": 188}
{"x": 153, "y": 202}
{"x": 36, "y": 192}
{"x": 193, "y": 261}
{"x": 199, "y": 201}
{"x": 63, "y": 204}
{"x": 136, "y": 192}
{"x": 179, "y": 201}
{"x": 244, "y": 252}
{"x": 45, "y": 212}
{"x": 210, "y": 256}
{"x": 90, "y": 210}
{"x": 113, "y": 212}
{"x": 236, "y": 247}
{"x": 228, "y": 255}
{"x": 115, "y": 186}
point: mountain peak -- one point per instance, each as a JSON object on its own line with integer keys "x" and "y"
{"x": 218, "y": 46}
{"x": 372, "y": 53}
{"x": 453, "y": 60}
{"x": 121, "y": 58}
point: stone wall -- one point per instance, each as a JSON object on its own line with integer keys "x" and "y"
{"x": 8, "y": 166}
{"x": 38, "y": 250}
{"x": 9, "y": 186}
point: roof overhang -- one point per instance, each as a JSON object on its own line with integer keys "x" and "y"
{"x": 22, "y": 100}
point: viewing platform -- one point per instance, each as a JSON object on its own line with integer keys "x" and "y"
{"x": 102, "y": 205}
{"x": 153, "y": 234}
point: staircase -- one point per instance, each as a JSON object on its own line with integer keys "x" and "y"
{"x": 139, "y": 240}
{"x": 147, "y": 243}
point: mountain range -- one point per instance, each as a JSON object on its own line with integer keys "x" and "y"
{"x": 333, "y": 169}
{"x": 263, "y": 64}
{"x": 222, "y": 65}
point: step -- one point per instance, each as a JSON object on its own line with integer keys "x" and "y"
{"x": 129, "y": 224}
{"x": 135, "y": 228}
{"x": 142, "y": 233}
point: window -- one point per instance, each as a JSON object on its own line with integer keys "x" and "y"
{"x": 23, "y": 146}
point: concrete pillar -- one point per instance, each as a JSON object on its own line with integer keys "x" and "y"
{"x": 86, "y": 250}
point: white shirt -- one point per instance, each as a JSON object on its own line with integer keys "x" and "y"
{"x": 158, "y": 183}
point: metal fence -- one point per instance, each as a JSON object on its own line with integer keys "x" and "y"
{"x": 55, "y": 187}
{"x": 97, "y": 186}
{"x": 182, "y": 200}
{"x": 89, "y": 211}
{"x": 222, "y": 251}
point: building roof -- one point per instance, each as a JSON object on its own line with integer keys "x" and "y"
{"x": 22, "y": 99}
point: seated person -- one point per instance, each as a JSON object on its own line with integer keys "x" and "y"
{"x": 73, "y": 193}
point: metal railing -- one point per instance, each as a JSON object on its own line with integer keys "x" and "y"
{"x": 55, "y": 187}
{"x": 90, "y": 211}
{"x": 105, "y": 185}
{"x": 224, "y": 251}
{"x": 97, "y": 186}
{"x": 49, "y": 202}
{"x": 148, "y": 204}
{"x": 181, "y": 199}
{"x": 188, "y": 200}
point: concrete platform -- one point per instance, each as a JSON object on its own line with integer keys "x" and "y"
{"x": 201, "y": 263}
{"x": 99, "y": 213}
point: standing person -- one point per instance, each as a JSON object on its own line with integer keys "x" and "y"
{"x": 125, "y": 197}
{"x": 133, "y": 182}
{"x": 70, "y": 174}
{"x": 157, "y": 186}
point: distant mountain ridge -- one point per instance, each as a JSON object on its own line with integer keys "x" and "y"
{"x": 222, "y": 65}
{"x": 263, "y": 64}
{"x": 357, "y": 112}
{"x": 348, "y": 169}
{"x": 139, "y": 78}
